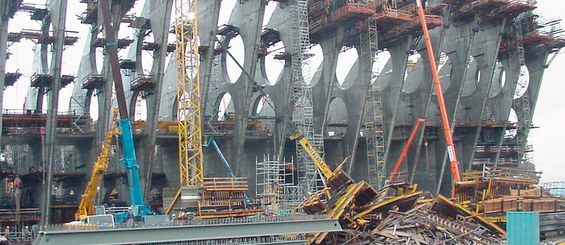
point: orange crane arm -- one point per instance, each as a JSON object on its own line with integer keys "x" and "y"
{"x": 405, "y": 149}
{"x": 444, "y": 119}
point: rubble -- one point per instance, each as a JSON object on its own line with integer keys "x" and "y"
{"x": 410, "y": 217}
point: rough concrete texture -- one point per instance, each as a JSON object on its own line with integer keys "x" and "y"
{"x": 478, "y": 97}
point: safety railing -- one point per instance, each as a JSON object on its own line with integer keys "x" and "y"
{"x": 194, "y": 222}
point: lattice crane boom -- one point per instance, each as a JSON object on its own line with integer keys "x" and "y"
{"x": 188, "y": 96}
{"x": 86, "y": 206}
{"x": 188, "y": 93}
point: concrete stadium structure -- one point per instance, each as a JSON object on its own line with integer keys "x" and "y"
{"x": 486, "y": 48}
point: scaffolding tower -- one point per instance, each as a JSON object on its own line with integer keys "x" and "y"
{"x": 373, "y": 115}
{"x": 275, "y": 183}
{"x": 522, "y": 104}
{"x": 308, "y": 177}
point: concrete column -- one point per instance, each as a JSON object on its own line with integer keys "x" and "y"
{"x": 160, "y": 18}
{"x": 58, "y": 11}
{"x": 391, "y": 92}
{"x": 208, "y": 14}
{"x": 501, "y": 103}
{"x": 247, "y": 16}
{"x": 4, "y": 19}
{"x": 420, "y": 100}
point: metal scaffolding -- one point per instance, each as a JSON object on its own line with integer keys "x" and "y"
{"x": 308, "y": 177}
{"x": 522, "y": 104}
{"x": 275, "y": 183}
{"x": 373, "y": 115}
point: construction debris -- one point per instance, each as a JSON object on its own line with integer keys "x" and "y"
{"x": 409, "y": 217}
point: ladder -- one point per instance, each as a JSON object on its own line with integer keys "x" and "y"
{"x": 522, "y": 104}
{"x": 373, "y": 115}
{"x": 308, "y": 177}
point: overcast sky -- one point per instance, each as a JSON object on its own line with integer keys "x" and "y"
{"x": 548, "y": 140}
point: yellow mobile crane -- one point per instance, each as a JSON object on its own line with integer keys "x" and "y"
{"x": 86, "y": 206}
{"x": 342, "y": 192}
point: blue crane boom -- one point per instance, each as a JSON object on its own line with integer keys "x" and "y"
{"x": 136, "y": 195}
{"x": 212, "y": 142}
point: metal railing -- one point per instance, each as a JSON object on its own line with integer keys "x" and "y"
{"x": 193, "y": 222}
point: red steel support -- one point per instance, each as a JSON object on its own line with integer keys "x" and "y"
{"x": 445, "y": 121}
{"x": 405, "y": 149}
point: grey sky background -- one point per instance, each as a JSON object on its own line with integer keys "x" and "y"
{"x": 548, "y": 140}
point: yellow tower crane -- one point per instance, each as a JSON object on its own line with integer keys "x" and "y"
{"x": 86, "y": 206}
{"x": 188, "y": 97}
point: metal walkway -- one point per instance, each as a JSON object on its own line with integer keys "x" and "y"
{"x": 191, "y": 230}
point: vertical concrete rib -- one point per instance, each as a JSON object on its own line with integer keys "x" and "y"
{"x": 391, "y": 93}
{"x": 247, "y": 16}
{"x": 486, "y": 54}
{"x": 4, "y": 19}
{"x": 501, "y": 103}
{"x": 422, "y": 99}
{"x": 208, "y": 13}
{"x": 160, "y": 17}
{"x": 458, "y": 46}
{"x": 58, "y": 13}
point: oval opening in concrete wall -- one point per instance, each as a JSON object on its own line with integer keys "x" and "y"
{"x": 93, "y": 109}
{"x": 314, "y": 63}
{"x": 225, "y": 108}
{"x": 337, "y": 118}
{"x": 523, "y": 82}
{"x": 273, "y": 65}
{"x": 345, "y": 61}
{"x": 236, "y": 49}
{"x": 140, "y": 109}
{"x": 269, "y": 10}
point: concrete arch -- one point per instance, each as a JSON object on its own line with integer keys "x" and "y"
{"x": 138, "y": 111}
{"x": 262, "y": 106}
{"x": 384, "y": 68}
{"x": 224, "y": 105}
{"x": 414, "y": 74}
{"x": 338, "y": 118}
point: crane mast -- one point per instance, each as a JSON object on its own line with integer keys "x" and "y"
{"x": 188, "y": 96}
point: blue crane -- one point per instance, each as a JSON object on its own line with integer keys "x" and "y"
{"x": 138, "y": 207}
{"x": 212, "y": 142}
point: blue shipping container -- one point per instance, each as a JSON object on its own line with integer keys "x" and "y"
{"x": 522, "y": 228}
